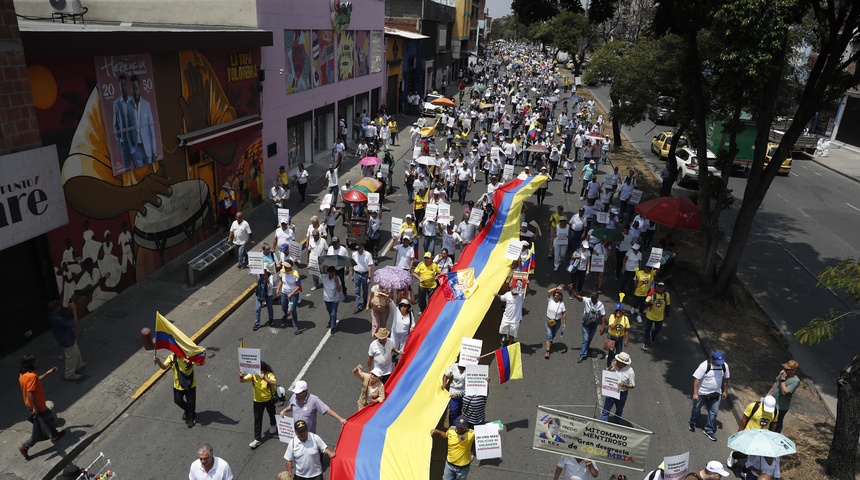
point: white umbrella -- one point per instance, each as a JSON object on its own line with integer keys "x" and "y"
{"x": 763, "y": 443}
{"x": 426, "y": 160}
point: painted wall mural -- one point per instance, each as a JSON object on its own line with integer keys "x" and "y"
{"x": 298, "y": 65}
{"x": 345, "y": 55}
{"x": 362, "y": 52}
{"x": 376, "y": 51}
{"x": 323, "y": 51}
{"x": 124, "y": 225}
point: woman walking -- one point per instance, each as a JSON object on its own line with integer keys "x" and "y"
{"x": 264, "y": 384}
{"x": 556, "y": 315}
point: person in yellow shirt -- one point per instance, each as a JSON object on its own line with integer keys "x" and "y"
{"x": 184, "y": 385}
{"x": 554, "y": 220}
{"x": 642, "y": 280}
{"x": 264, "y": 386}
{"x": 619, "y": 331}
{"x": 419, "y": 202}
{"x": 426, "y": 273}
{"x": 392, "y": 127}
{"x": 657, "y": 312}
{"x": 757, "y": 415}
{"x": 460, "y": 448}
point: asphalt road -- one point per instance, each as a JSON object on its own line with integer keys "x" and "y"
{"x": 808, "y": 221}
{"x": 151, "y": 441}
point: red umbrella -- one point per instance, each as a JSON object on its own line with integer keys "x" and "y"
{"x": 355, "y": 196}
{"x": 671, "y": 211}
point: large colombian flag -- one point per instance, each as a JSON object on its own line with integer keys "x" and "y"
{"x": 391, "y": 440}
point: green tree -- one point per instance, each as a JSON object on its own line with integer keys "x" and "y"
{"x": 843, "y": 448}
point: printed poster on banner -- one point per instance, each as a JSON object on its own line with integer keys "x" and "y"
{"x": 127, "y": 96}
{"x": 655, "y": 257}
{"x": 562, "y": 432}
{"x": 635, "y": 197}
{"x": 431, "y": 211}
{"x": 283, "y": 216}
{"x": 470, "y": 350}
{"x": 476, "y": 216}
{"x": 599, "y": 206}
{"x": 676, "y": 466}
{"x": 314, "y": 266}
{"x": 444, "y": 215}
{"x": 286, "y": 429}
{"x": 249, "y": 361}
{"x": 295, "y": 250}
{"x": 609, "y": 385}
{"x": 488, "y": 442}
{"x": 603, "y": 217}
{"x": 396, "y": 225}
{"x": 372, "y": 200}
{"x": 508, "y": 173}
{"x": 476, "y": 380}
{"x": 598, "y": 263}
{"x": 255, "y": 263}
{"x": 515, "y": 248}
{"x": 519, "y": 282}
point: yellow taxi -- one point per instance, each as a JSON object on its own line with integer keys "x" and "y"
{"x": 661, "y": 143}
{"x": 785, "y": 168}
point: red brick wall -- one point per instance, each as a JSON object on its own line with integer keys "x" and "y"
{"x": 19, "y": 129}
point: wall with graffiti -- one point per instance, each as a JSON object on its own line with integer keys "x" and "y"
{"x": 137, "y": 198}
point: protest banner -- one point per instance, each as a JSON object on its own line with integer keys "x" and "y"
{"x": 676, "y": 466}
{"x": 255, "y": 263}
{"x": 609, "y": 385}
{"x": 249, "y": 361}
{"x": 488, "y": 442}
{"x": 655, "y": 258}
{"x": 284, "y": 215}
{"x": 286, "y": 429}
{"x": 470, "y": 350}
{"x": 476, "y": 379}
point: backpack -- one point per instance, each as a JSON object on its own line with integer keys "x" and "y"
{"x": 591, "y": 316}
{"x": 185, "y": 381}
{"x": 379, "y": 302}
{"x": 708, "y": 369}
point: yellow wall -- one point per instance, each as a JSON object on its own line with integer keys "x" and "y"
{"x": 461, "y": 20}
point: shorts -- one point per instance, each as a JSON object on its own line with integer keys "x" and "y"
{"x": 511, "y": 329}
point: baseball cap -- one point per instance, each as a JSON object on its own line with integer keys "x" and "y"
{"x": 716, "y": 467}
{"x": 376, "y": 372}
{"x": 524, "y": 224}
{"x": 427, "y": 255}
{"x": 299, "y": 387}
{"x": 585, "y": 243}
{"x": 409, "y": 216}
{"x": 661, "y": 284}
{"x": 719, "y": 358}
{"x": 301, "y": 426}
{"x": 461, "y": 422}
{"x": 635, "y": 246}
{"x": 616, "y": 169}
{"x": 335, "y": 240}
{"x": 791, "y": 365}
{"x": 769, "y": 404}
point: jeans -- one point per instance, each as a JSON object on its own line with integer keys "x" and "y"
{"x": 243, "y": 254}
{"x": 551, "y": 331}
{"x": 43, "y": 429}
{"x": 461, "y": 191}
{"x": 410, "y": 191}
{"x": 453, "y": 472}
{"x": 587, "y": 335}
{"x": 430, "y": 244}
{"x": 360, "y": 284}
{"x": 713, "y": 407}
{"x": 334, "y": 194}
{"x": 780, "y": 416}
{"x": 290, "y": 306}
{"x": 258, "y": 307}
{"x": 331, "y": 308}
{"x": 187, "y": 401}
{"x": 610, "y": 354}
{"x": 455, "y": 407}
{"x": 258, "y": 417}
{"x": 652, "y": 328}
{"x": 608, "y": 402}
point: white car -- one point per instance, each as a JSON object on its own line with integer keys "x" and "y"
{"x": 688, "y": 165}
{"x": 429, "y": 108}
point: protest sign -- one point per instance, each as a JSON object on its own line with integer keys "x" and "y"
{"x": 286, "y": 429}
{"x": 508, "y": 173}
{"x": 598, "y": 263}
{"x": 255, "y": 263}
{"x": 326, "y": 202}
{"x": 476, "y": 379}
{"x": 609, "y": 385}
{"x": 635, "y": 197}
{"x": 655, "y": 258}
{"x": 488, "y": 442}
{"x": 476, "y": 216}
{"x": 444, "y": 215}
{"x": 519, "y": 282}
{"x": 396, "y": 225}
{"x": 515, "y": 248}
{"x": 603, "y": 217}
{"x": 249, "y": 361}
{"x": 470, "y": 350}
{"x": 676, "y": 466}
{"x": 431, "y": 211}
{"x": 314, "y": 265}
{"x": 295, "y": 250}
{"x": 372, "y": 200}
{"x": 284, "y": 215}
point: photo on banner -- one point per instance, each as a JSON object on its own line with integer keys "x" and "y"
{"x": 323, "y": 52}
{"x": 362, "y": 52}
{"x": 519, "y": 282}
{"x": 130, "y": 112}
{"x": 298, "y": 64}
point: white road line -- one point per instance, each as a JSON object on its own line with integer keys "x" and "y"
{"x": 817, "y": 173}
{"x": 796, "y": 175}
{"x": 312, "y": 357}
{"x": 852, "y": 206}
{"x": 804, "y": 166}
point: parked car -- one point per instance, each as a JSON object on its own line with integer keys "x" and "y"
{"x": 429, "y": 108}
{"x": 661, "y": 143}
{"x": 688, "y": 165}
{"x": 664, "y": 113}
{"x": 785, "y": 168}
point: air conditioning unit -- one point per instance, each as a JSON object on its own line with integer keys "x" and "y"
{"x": 67, "y": 7}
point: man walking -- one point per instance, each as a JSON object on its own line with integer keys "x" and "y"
{"x": 34, "y": 398}
{"x": 265, "y": 294}
{"x": 240, "y": 235}
{"x": 593, "y": 314}
{"x": 306, "y": 405}
{"x": 208, "y": 466}
{"x": 361, "y": 274}
{"x": 64, "y": 331}
{"x": 460, "y": 449}
{"x": 710, "y": 385}
{"x": 621, "y": 366}
{"x": 783, "y": 389}
{"x": 304, "y": 452}
{"x": 512, "y": 316}
{"x": 656, "y": 312}
{"x": 184, "y": 385}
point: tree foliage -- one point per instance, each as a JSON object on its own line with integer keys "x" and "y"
{"x": 533, "y": 11}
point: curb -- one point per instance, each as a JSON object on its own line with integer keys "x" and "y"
{"x": 834, "y": 170}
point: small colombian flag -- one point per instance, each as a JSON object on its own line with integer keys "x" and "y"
{"x": 168, "y": 337}
{"x": 510, "y": 363}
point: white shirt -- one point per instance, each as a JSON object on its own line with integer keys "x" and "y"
{"x": 466, "y": 231}
{"x": 330, "y": 287}
{"x": 302, "y": 177}
{"x": 513, "y": 308}
{"x": 306, "y": 455}
{"x": 762, "y": 466}
{"x": 321, "y": 229}
{"x": 444, "y": 265}
{"x": 363, "y": 261}
{"x": 404, "y": 256}
{"x": 587, "y": 305}
{"x": 628, "y": 376}
{"x": 555, "y": 309}
{"x": 283, "y": 237}
{"x": 331, "y": 176}
{"x": 573, "y": 467}
{"x": 569, "y": 167}
{"x": 631, "y": 262}
{"x": 402, "y": 324}
{"x": 241, "y": 232}
{"x": 710, "y": 381}
{"x": 220, "y": 471}
{"x": 381, "y": 355}
{"x": 458, "y": 380}
{"x": 450, "y": 241}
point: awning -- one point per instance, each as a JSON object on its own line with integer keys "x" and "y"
{"x": 396, "y": 32}
{"x": 200, "y": 139}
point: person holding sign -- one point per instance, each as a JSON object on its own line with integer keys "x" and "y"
{"x": 599, "y": 259}
{"x": 461, "y": 442}
{"x": 556, "y": 315}
{"x": 573, "y": 467}
{"x": 619, "y": 330}
{"x": 304, "y": 452}
{"x": 316, "y": 246}
{"x": 291, "y": 288}
{"x": 621, "y": 366}
{"x": 454, "y": 381}
{"x": 265, "y": 293}
{"x": 657, "y": 312}
{"x": 560, "y": 237}
{"x": 264, "y": 385}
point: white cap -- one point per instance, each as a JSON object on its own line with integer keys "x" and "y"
{"x": 524, "y": 224}
{"x": 377, "y": 372}
{"x": 635, "y": 246}
{"x": 769, "y": 404}
{"x": 716, "y": 467}
{"x": 299, "y": 387}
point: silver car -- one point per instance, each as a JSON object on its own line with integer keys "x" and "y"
{"x": 688, "y": 165}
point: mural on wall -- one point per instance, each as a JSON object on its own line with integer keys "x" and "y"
{"x": 362, "y": 52}
{"x": 345, "y": 55}
{"x": 298, "y": 65}
{"x": 376, "y": 51}
{"x": 128, "y": 105}
{"x": 124, "y": 226}
{"x": 341, "y": 14}
{"x": 323, "y": 52}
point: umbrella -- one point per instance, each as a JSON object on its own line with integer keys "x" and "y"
{"x": 443, "y": 102}
{"x": 594, "y": 135}
{"x": 480, "y": 87}
{"x": 762, "y": 443}
{"x": 392, "y": 278}
{"x": 672, "y": 212}
{"x": 552, "y": 99}
{"x": 537, "y": 148}
{"x": 425, "y": 160}
{"x": 370, "y": 161}
{"x": 608, "y": 235}
{"x": 484, "y": 105}
{"x": 335, "y": 261}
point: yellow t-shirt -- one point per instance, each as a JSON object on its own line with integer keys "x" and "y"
{"x": 262, "y": 389}
{"x": 643, "y": 281}
{"x": 460, "y": 447}
{"x": 760, "y": 419}
{"x": 283, "y": 178}
{"x": 555, "y": 218}
{"x": 419, "y": 201}
{"x": 618, "y": 326}
{"x": 392, "y": 126}
{"x": 659, "y": 302}
{"x": 186, "y": 369}
{"x": 427, "y": 274}
{"x": 409, "y": 226}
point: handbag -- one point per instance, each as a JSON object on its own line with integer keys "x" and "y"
{"x": 551, "y": 322}
{"x": 609, "y": 344}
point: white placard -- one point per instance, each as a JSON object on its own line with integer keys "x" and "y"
{"x": 515, "y": 248}
{"x": 597, "y": 263}
{"x": 372, "y": 200}
{"x": 476, "y": 380}
{"x": 676, "y": 466}
{"x": 444, "y": 215}
{"x": 476, "y": 216}
{"x": 326, "y": 202}
{"x": 494, "y": 153}
{"x": 603, "y": 217}
{"x": 295, "y": 250}
{"x": 283, "y": 215}
{"x": 488, "y": 442}
{"x": 431, "y": 211}
{"x": 249, "y": 361}
{"x": 609, "y": 385}
{"x": 384, "y": 169}
{"x": 255, "y": 263}
{"x": 314, "y": 265}
{"x": 286, "y": 429}
{"x": 396, "y": 225}
{"x": 470, "y": 350}
{"x": 655, "y": 257}
{"x": 635, "y": 197}
{"x": 599, "y": 206}
{"x": 508, "y": 173}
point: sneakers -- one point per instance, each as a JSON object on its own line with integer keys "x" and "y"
{"x": 56, "y": 438}
{"x": 644, "y": 346}
{"x": 546, "y": 355}
{"x": 315, "y": 287}
{"x": 633, "y": 311}
{"x": 256, "y": 327}
{"x": 581, "y": 198}
{"x": 710, "y": 436}
{"x": 691, "y": 427}
{"x": 638, "y": 318}
{"x": 73, "y": 377}
{"x": 730, "y": 462}
{"x": 190, "y": 422}
{"x": 255, "y": 444}
{"x": 273, "y": 430}
{"x": 581, "y": 359}
{"x": 295, "y": 330}
{"x": 24, "y": 450}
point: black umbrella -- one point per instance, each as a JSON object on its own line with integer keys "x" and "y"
{"x": 336, "y": 261}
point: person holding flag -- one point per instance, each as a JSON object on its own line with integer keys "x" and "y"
{"x": 184, "y": 355}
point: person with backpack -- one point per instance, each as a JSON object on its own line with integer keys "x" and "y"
{"x": 757, "y": 415}
{"x": 710, "y": 385}
{"x": 184, "y": 385}
{"x": 657, "y": 306}
{"x": 593, "y": 314}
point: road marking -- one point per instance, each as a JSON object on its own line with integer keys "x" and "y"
{"x": 796, "y": 175}
{"x": 804, "y": 166}
{"x": 795, "y": 207}
{"x": 312, "y": 358}
{"x": 852, "y": 206}
{"x": 817, "y": 173}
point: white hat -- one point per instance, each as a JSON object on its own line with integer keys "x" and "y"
{"x": 716, "y": 467}
{"x": 409, "y": 215}
{"x": 585, "y": 243}
{"x": 769, "y": 404}
{"x": 299, "y": 387}
{"x": 377, "y": 372}
{"x": 635, "y": 246}
{"x": 524, "y": 224}
{"x": 624, "y": 358}
{"x": 436, "y": 191}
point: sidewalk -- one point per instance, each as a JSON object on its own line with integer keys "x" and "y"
{"x": 842, "y": 159}
{"x": 120, "y": 370}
